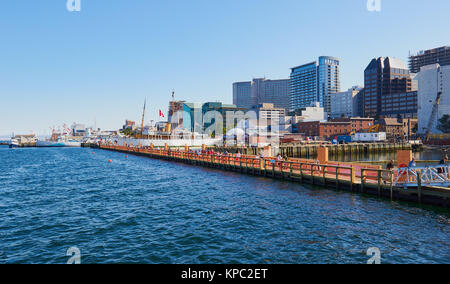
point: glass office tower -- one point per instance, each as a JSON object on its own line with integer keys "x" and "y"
{"x": 328, "y": 80}
{"x": 303, "y": 86}
{"x": 314, "y": 82}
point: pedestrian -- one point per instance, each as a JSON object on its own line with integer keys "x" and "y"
{"x": 390, "y": 166}
{"x": 443, "y": 162}
{"x": 412, "y": 164}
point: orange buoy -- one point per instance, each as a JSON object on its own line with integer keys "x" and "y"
{"x": 110, "y": 161}
{"x": 126, "y": 156}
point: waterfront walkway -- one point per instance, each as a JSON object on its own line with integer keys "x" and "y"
{"x": 354, "y": 177}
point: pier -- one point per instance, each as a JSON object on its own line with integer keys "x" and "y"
{"x": 353, "y": 177}
{"x": 309, "y": 151}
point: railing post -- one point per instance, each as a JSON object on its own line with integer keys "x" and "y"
{"x": 337, "y": 177}
{"x": 301, "y": 172}
{"x": 419, "y": 186}
{"x": 379, "y": 182}
{"x": 324, "y": 168}
{"x": 352, "y": 178}
{"x": 392, "y": 185}
{"x": 290, "y": 170}
{"x": 362, "y": 180}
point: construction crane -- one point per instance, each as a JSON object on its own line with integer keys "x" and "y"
{"x": 434, "y": 112}
{"x": 143, "y": 117}
{"x": 433, "y": 116}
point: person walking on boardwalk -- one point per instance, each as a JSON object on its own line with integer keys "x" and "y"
{"x": 412, "y": 164}
{"x": 390, "y": 167}
{"x": 443, "y": 162}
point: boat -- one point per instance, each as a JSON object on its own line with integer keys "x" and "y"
{"x": 21, "y": 141}
{"x": 14, "y": 143}
{"x": 61, "y": 141}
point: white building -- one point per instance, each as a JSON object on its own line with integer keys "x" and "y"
{"x": 313, "y": 113}
{"x": 271, "y": 114}
{"x": 346, "y": 103}
{"x": 432, "y": 80}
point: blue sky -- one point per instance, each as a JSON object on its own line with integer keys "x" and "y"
{"x": 101, "y": 63}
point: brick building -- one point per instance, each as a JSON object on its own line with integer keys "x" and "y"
{"x": 359, "y": 124}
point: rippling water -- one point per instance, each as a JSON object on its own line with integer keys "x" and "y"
{"x": 139, "y": 210}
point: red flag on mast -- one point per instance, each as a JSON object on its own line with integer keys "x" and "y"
{"x": 161, "y": 114}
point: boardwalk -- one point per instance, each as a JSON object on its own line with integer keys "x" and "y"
{"x": 341, "y": 176}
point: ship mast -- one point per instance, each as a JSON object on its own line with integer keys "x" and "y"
{"x": 143, "y": 117}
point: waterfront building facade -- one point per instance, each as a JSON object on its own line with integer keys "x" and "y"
{"x": 314, "y": 112}
{"x": 251, "y": 94}
{"x": 347, "y": 103}
{"x": 224, "y": 110}
{"x": 439, "y": 56}
{"x": 269, "y": 114}
{"x": 358, "y": 124}
{"x": 175, "y": 117}
{"x": 324, "y": 129}
{"x": 388, "y": 89}
{"x": 192, "y": 117}
{"x": 433, "y": 79}
{"x": 314, "y": 82}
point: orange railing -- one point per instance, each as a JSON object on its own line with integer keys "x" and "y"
{"x": 351, "y": 172}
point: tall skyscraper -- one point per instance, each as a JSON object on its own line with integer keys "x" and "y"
{"x": 303, "y": 86}
{"x": 388, "y": 89}
{"x": 259, "y": 91}
{"x": 329, "y": 80}
{"x": 439, "y": 56}
{"x": 314, "y": 82}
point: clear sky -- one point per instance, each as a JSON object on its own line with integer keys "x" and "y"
{"x": 100, "y": 64}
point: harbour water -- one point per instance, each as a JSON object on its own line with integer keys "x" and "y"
{"x": 139, "y": 210}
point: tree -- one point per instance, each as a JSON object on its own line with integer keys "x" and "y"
{"x": 444, "y": 124}
{"x": 127, "y": 132}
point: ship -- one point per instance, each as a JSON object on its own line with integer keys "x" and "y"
{"x": 59, "y": 140}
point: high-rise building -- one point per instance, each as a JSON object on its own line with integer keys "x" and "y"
{"x": 258, "y": 91}
{"x": 388, "y": 89}
{"x": 328, "y": 80}
{"x": 346, "y": 103}
{"x": 242, "y": 95}
{"x": 270, "y": 114}
{"x": 314, "y": 82}
{"x": 439, "y": 56}
{"x": 433, "y": 79}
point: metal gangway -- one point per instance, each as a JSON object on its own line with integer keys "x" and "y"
{"x": 423, "y": 176}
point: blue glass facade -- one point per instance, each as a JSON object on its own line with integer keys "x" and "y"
{"x": 303, "y": 86}
{"x": 313, "y": 82}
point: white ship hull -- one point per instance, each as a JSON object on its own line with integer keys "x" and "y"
{"x": 58, "y": 144}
